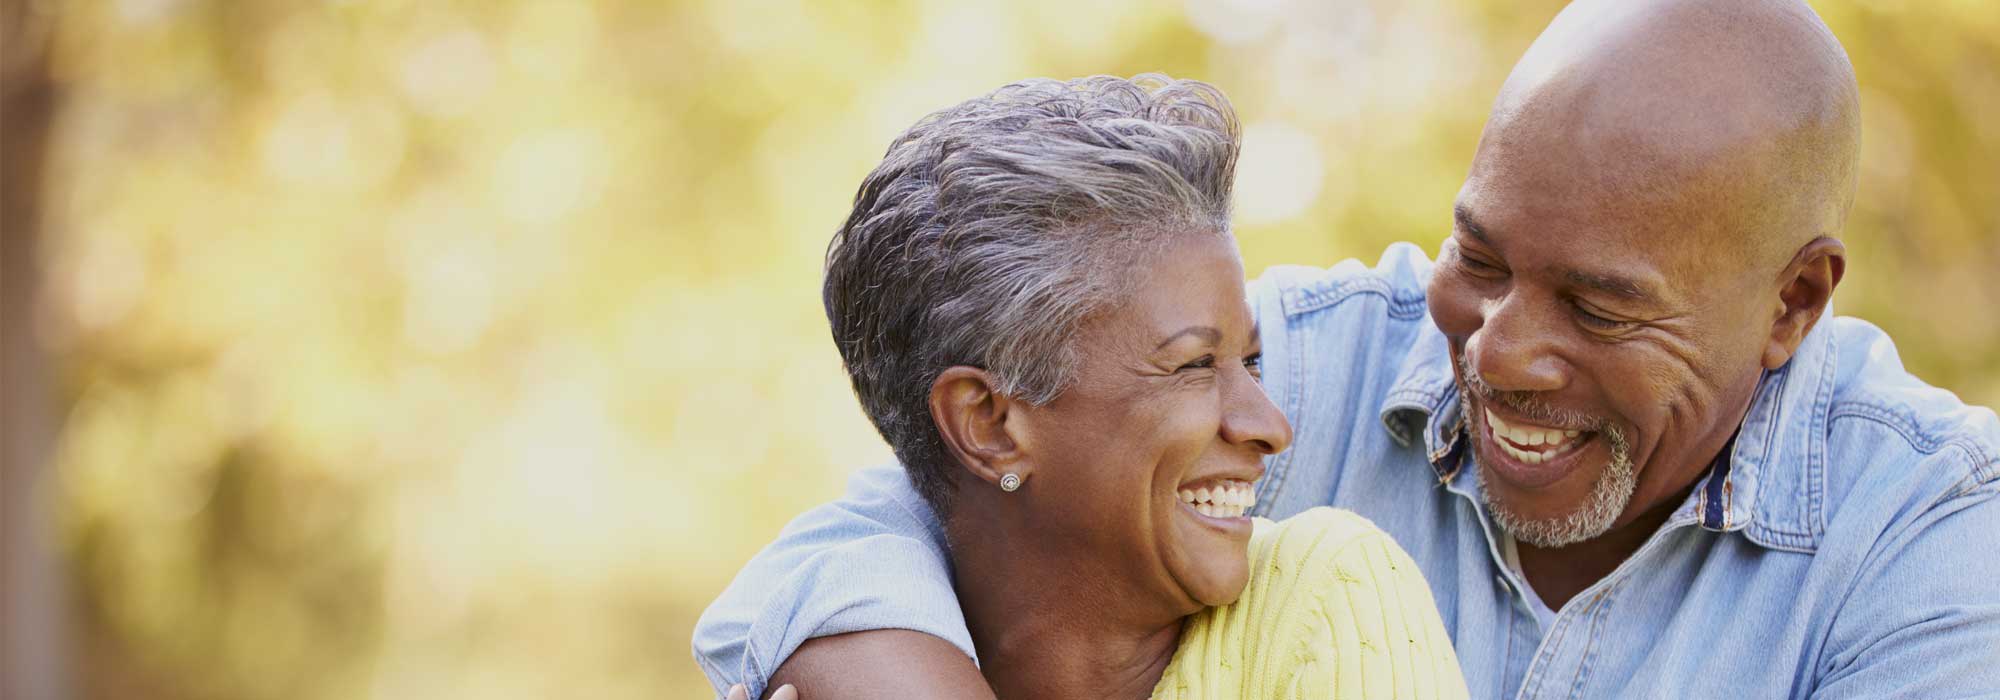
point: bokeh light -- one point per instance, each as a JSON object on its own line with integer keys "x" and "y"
{"x": 465, "y": 350}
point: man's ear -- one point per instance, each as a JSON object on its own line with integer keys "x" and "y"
{"x": 971, "y": 416}
{"x": 1804, "y": 289}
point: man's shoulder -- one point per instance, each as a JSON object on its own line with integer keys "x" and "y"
{"x": 1394, "y": 285}
{"x": 1350, "y": 326}
{"x": 1344, "y": 347}
{"x": 1895, "y": 445}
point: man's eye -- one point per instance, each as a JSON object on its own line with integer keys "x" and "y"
{"x": 1601, "y": 323}
{"x": 1478, "y": 266}
{"x": 1255, "y": 363}
{"x": 1204, "y": 362}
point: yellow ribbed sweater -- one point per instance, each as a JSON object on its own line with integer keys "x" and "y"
{"x": 1334, "y": 609}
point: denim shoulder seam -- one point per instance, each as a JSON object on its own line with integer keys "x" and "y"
{"x": 1977, "y": 469}
{"x": 1977, "y": 477}
{"x": 1917, "y": 439}
{"x": 1309, "y": 298}
{"x": 1980, "y": 471}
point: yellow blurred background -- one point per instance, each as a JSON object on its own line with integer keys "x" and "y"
{"x": 419, "y": 349}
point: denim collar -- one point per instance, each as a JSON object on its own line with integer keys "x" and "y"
{"x": 1768, "y": 484}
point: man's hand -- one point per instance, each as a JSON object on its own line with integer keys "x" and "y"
{"x": 784, "y": 692}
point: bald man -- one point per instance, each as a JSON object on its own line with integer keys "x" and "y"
{"x": 1613, "y": 422}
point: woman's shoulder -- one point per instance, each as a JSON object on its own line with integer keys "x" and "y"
{"x": 1332, "y": 604}
{"x": 1320, "y": 531}
{"x": 1325, "y": 555}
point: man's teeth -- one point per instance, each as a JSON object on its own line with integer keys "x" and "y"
{"x": 1227, "y": 499}
{"x": 1551, "y": 441}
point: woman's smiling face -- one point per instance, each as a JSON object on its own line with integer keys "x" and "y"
{"x": 1167, "y": 407}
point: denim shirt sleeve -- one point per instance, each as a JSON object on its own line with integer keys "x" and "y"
{"x": 875, "y": 559}
{"x": 1923, "y": 618}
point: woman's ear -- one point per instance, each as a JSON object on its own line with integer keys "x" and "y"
{"x": 971, "y": 417}
{"x": 1804, "y": 289}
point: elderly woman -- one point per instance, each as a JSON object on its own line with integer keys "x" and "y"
{"x": 1041, "y": 307}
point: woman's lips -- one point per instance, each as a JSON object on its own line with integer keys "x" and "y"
{"x": 1220, "y": 504}
{"x": 1228, "y": 525}
{"x": 1219, "y": 498}
{"x": 1531, "y": 456}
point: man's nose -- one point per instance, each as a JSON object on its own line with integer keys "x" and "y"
{"x": 1514, "y": 348}
{"x": 1249, "y": 418}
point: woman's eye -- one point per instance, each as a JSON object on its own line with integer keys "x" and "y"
{"x": 1255, "y": 363}
{"x": 1205, "y": 362}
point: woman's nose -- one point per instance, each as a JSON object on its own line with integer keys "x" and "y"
{"x": 1249, "y": 418}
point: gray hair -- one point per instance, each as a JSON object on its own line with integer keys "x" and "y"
{"x": 991, "y": 230}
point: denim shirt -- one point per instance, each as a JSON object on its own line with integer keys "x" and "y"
{"x": 1847, "y": 544}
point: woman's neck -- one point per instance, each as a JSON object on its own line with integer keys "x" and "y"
{"x": 1048, "y": 626}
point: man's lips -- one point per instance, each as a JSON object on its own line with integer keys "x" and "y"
{"x": 1528, "y": 455}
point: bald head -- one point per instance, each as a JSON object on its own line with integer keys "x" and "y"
{"x": 1647, "y": 229}
{"x": 1733, "y": 120}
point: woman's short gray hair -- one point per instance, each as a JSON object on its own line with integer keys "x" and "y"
{"x": 992, "y": 229}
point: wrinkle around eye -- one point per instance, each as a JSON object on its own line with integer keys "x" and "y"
{"x": 1203, "y": 362}
{"x": 1480, "y": 268}
{"x": 1474, "y": 269}
{"x": 1613, "y": 325}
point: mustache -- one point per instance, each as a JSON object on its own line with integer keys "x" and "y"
{"x": 1529, "y": 404}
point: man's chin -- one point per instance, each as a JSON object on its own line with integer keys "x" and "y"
{"x": 1548, "y": 519}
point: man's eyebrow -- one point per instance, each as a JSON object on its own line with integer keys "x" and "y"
{"x": 1612, "y": 284}
{"x": 1469, "y": 225}
{"x": 1208, "y": 333}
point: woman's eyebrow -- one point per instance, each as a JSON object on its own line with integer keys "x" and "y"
{"x": 1208, "y": 333}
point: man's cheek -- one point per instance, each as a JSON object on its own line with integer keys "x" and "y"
{"x": 1454, "y": 308}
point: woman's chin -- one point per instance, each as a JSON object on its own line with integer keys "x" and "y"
{"x": 1216, "y": 557}
{"x": 1220, "y": 583}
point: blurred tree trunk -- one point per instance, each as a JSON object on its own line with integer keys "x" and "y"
{"x": 33, "y": 665}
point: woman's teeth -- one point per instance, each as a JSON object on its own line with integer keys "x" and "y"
{"x": 1224, "y": 499}
{"x": 1527, "y": 443}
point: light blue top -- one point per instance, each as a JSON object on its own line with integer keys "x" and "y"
{"x": 1849, "y": 547}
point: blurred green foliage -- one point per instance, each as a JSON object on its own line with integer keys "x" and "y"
{"x": 465, "y": 349}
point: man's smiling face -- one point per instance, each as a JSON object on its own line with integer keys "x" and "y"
{"x": 1606, "y": 306}
{"x": 1596, "y": 384}
{"x": 1644, "y": 230}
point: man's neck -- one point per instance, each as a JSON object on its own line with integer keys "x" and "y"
{"x": 1559, "y": 574}
{"x": 1045, "y": 629}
